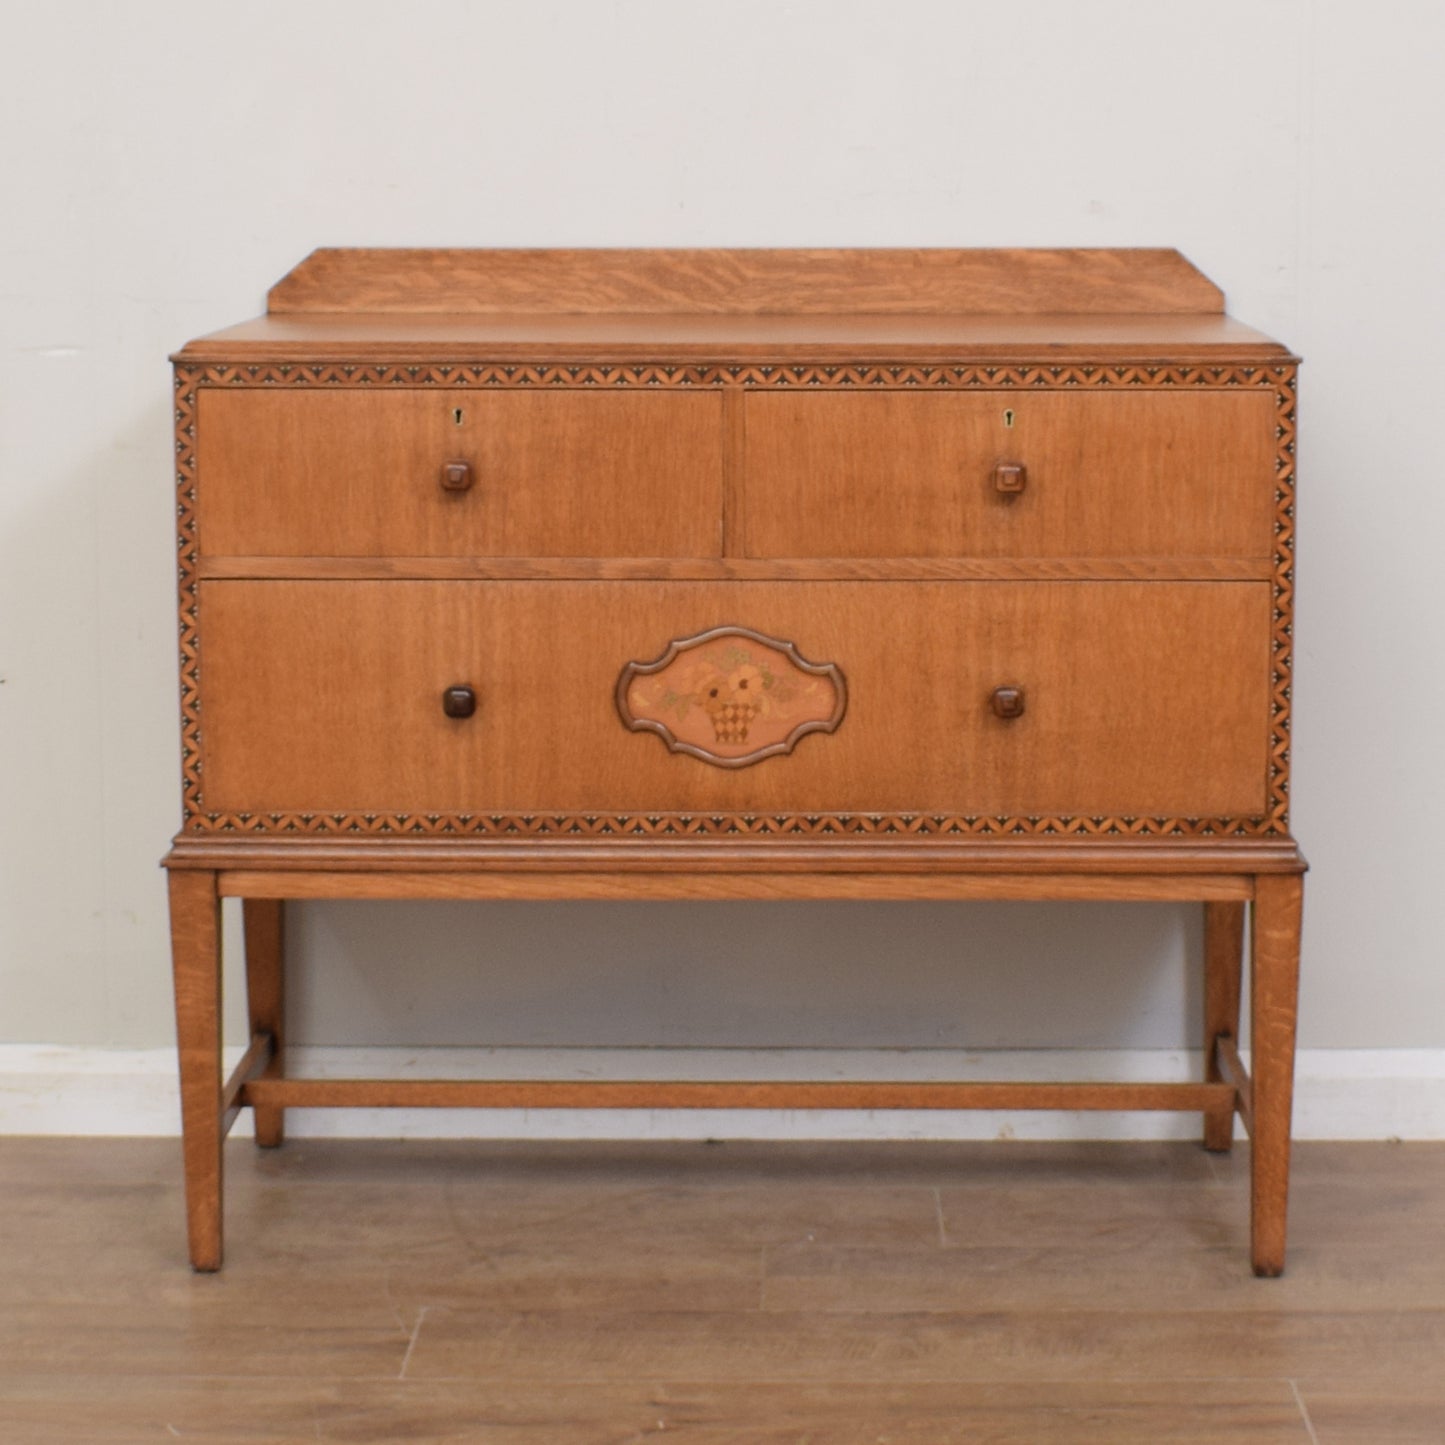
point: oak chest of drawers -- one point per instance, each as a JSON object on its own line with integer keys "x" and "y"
{"x": 891, "y": 574}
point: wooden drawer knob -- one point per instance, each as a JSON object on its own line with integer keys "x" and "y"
{"x": 459, "y": 701}
{"x": 456, "y": 476}
{"x": 1010, "y": 478}
{"x": 1008, "y": 702}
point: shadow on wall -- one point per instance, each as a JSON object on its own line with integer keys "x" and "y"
{"x": 88, "y": 717}
{"x": 750, "y": 974}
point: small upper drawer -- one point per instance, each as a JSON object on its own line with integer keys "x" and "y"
{"x": 364, "y": 473}
{"x": 1004, "y": 474}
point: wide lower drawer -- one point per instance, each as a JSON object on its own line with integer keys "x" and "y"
{"x": 1138, "y": 698}
{"x": 1006, "y": 474}
{"x": 411, "y": 473}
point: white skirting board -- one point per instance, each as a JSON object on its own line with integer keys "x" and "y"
{"x": 1339, "y": 1093}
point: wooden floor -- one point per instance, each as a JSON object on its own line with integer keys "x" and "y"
{"x": 828, "y": 1294}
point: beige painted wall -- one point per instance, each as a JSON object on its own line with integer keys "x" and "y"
{"x": 163, "y": 163}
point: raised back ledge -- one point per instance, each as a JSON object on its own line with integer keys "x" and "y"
{"x": 747, "y": 282}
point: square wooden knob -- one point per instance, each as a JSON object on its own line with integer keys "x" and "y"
{"x": 1008, "y": 702}
{"x": 1010, "y": 478}
{"x": 456, "y": 476}
{"x": 459, "y": 701}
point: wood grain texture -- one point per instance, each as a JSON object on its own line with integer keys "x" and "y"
{"x": 1223, "y": 964}
{"x": 254, "y": 1062}
{"x": 907, "y": 848}
{"x": 1277, "y": 381}
{"x": 761, "y": 281}
{"x": 60, "y": 1411}
{"x": 355, "y": 474}
{"x": 740, "y": 569}
{"x": 1150, "y": 1240}
{"x": 343, "y": 1252}
{"x": 729, "y": 1094}
{"x": 1227, "y": 1062}
{"x": 195, "y": 911}
{"x": 896, "y": 474}
{"x": 734, "y": 461}
{"x": 624, "y": 883}
{"x": 1408, "y": 1413}
{"x": 1083, "y": 1346}
{"x": 731, "y": 697}
{"x": 431, "y": 506}
{"x": 264, "y": 927}
{"x": 1118, "y": 723}
{"x": 568, "y": 340}
{"x": 1274, "y": 991}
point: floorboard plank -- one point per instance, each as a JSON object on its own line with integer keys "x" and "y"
{"x": 805, "y": 1347}
{"x": 1350, "y": 1414}
{"x": 771, "y": 1293}
{"x": 1345, "y": 1278}
{"x": 100, "y": 1411}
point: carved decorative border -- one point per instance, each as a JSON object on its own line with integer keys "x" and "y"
{"x": 1280, "y": 378}
{"x": 830, "y": 670}
{"x": 879, "y": 376}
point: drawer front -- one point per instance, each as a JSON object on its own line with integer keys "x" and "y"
{"x": 1125, "y": 474}
{"x": 361, "y": 473}
{"x": 1139, "y": 699}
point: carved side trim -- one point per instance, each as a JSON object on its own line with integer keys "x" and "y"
{"x": 1282, "y": 641}
{"x": 1273, "y": 822}
{"x": 187, "y": 552}
{"x": 714, "y": 689}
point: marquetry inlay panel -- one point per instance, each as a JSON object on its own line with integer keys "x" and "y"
{"x": 731, "y": 697}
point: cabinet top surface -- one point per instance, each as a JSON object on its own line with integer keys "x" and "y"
{"x": 740, "y": 305}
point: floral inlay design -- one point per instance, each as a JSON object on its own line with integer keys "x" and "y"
{"x": 731, "y": 696}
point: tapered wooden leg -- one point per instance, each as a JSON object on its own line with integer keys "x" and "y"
{"x": 196, "y": 959}
{"x": 1223, "y": 967}
{"x": 266, "y": 995}
{"x": 1274, "y": 992}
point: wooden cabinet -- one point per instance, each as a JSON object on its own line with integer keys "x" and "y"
{"x": 731, "y": 575}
